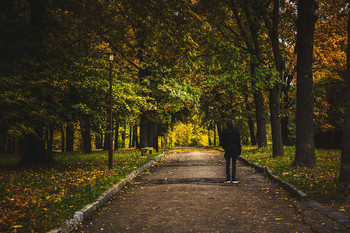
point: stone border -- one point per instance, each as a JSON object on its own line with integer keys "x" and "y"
{"x": 89, "y": 209}
{"x": 300, "y": 195}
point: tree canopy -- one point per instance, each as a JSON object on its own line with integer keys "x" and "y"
{"x": 173, "y": 60}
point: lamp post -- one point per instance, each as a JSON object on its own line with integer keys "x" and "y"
{"x": 110, "y": 150}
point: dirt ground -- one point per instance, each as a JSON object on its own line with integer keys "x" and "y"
{"x": 185, "y": 192}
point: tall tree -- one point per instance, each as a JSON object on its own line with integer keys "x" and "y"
{"x": 305, "y": 146}
{"x": 275, "y": 92}
{"x": 344, "y": 176}
{"x": 34, "y": 149}
{"x": 250, "y": 36}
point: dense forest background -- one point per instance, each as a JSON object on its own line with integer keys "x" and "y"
{"x": 277, "y": 67}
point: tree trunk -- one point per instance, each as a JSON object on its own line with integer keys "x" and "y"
{"x": 250, "y": 121}
{"x": 63, "y": 138}
{"x": 143, "y": 131}
{"x": 123, "y": 134}
{"x": 50, "y": 141}
{"x": 153, "y": 135}
{"x": 7, "y": 145}
{"x": 285, "y": 131}
{"x": 130, "y": 136}
{"x": 69, "y": 137}
{"x": 260, "y": 119}
{"x": 219, "y": 132}
{"x": 34, "y": 148}
{"x": 86, "y": 135}
{"x": 99, "y": 140}
{"x": 155, "y": 139}
{"x": 116, "y": 137}
{"x": 209, "y": 140}
{"x": 276, "y": 127}
{"x": 37, "y": 12}
{"x": 275, "y": 93}
{"x": 135, "y": 141}
{"x": 3, "y": 143}
{"x": 305, "y": 146}
{"x": 259, "y": 111}
{"x": 251, "y": 131}
{"x": 10, "y": 145}
{"x": 252, "y": 43}
{"x": 106, "y": 141}
{"x": 344, "y": 176}
{"x": 214, "y": 134}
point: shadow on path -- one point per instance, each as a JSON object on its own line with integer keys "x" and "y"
{"x": 185, "y": 192}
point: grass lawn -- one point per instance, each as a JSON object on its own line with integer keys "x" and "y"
{"x": 41, "y": 197}
{"x": 320, "y": 182}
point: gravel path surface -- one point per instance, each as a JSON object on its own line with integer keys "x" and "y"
{"x": 185, "y": 192}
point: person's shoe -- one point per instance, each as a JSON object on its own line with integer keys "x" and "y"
{"x": 227, "y": 182}
{"x": 235, "y": 182}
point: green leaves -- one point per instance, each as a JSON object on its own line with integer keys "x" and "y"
{"x": 265, "y": 77}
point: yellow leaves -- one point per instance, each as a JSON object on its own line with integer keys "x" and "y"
{"x": 40, "y": 192}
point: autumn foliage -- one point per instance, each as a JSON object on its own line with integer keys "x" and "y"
{"x": 42, "y": 197}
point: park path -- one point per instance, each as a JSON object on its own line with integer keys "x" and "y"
{"x": 185, "y": 192}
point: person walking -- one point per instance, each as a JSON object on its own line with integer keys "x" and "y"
{"x": 230, "y": 141}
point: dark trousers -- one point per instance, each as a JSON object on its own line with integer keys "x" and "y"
{"x": 228, "y": 160}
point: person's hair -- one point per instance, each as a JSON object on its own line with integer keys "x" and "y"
{"x": 230, "y": 123}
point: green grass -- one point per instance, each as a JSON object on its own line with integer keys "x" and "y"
{"x": 41, "y": 197}
{"x": 9, "y": 160}
{"x": 320, "y": 182}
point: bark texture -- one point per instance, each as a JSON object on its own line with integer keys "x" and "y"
{"x": 305, "y": 146}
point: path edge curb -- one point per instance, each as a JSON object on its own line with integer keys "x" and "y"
{"x": 300, "y": 195}
{"x": 84, "y": 213}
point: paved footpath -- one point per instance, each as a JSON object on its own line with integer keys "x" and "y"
{"x": 185, "y": 192}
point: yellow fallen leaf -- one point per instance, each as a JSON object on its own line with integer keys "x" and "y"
{"x": 277, "y": 219}
{"x": 342, "y": 210}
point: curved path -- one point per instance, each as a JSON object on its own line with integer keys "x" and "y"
{"x": 185, "y": 192}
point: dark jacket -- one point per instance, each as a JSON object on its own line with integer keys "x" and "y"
{"x": 231, "y": 142}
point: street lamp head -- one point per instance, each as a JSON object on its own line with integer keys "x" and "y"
{"x": 110, "y": 56}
